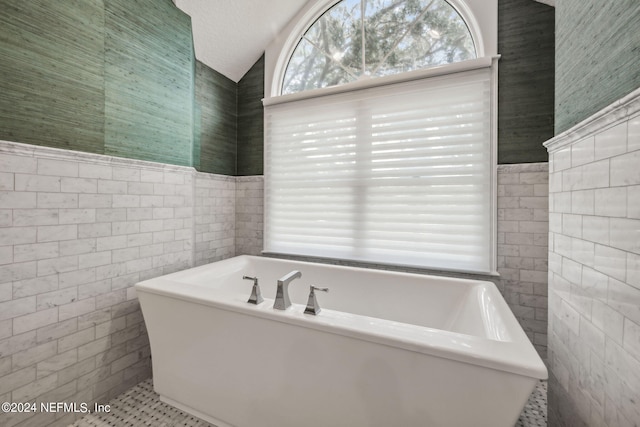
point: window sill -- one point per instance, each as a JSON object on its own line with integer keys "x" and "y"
{"x": 492, "y": 277}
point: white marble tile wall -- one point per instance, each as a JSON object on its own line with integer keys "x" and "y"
{"x": 523, "y": 226}
{"x": 215, "y": 216}
{"x": 249, "y": 214}
{"x": 594, "y": 270}
{"x": 77, "y": 231}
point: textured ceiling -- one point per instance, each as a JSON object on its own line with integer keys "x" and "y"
{"x": 230, "y": 35}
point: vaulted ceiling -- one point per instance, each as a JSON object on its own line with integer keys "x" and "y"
{"x": 230, "y": 35}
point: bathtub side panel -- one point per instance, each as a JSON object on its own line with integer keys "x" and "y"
{"x": 247, "y": 371}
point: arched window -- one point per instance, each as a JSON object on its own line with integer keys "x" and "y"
{"x": 380, "y": 134}
{"x": 356, "y": 39}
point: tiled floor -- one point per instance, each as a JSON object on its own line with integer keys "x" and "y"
{"x": 140, "y": 406}
{"x": 534, "y": 413}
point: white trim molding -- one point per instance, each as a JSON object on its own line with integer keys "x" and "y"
{"x": 551, "y": 3}
{"x": 615, "y": 113}
{"x": 41, "y": 151}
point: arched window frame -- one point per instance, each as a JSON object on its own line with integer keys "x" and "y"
{"x": 481, "y": 19}
{"x": 479, "y": 15}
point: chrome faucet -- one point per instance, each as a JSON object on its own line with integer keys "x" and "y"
{"x": 312, "y": 302}
{"x": 256, "y": 295}
{"x": 282, "y": 301}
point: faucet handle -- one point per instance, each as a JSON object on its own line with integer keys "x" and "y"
{"x": 256, "y": 295}
{"x": 312, "y": 302}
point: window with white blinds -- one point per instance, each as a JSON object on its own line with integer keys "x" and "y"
{"x": 395, "y": 174}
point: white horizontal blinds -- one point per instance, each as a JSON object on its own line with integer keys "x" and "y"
{"x": 311, "y": 169}
{"x": 396, "y": 174}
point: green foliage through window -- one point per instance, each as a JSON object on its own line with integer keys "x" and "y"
{"x": 399, "y": 36}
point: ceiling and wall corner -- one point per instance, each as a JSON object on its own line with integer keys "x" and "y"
{"x": 230, "y": 36}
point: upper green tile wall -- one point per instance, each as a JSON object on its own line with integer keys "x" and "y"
{"x": 251, "y": 120}
{"x": 119, "y": 77}
{"x": 216, "y": 121}
{"x": 525, "y": 80}
{"x": 104, "y": 76}
{"x": 148, "y": 81}
{"x": 597, "y": 56}
{"x": 52, "y": 73}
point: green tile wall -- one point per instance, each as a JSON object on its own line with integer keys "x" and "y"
{"x": 195, "y": 148}
{"x": 148, "y": 81}
{"x": 251, "y": 121}
{"x": 216, "y": 107}
{"x": 52, "y": 73}
{"x": 525, "y": 80}
{"x": 104, "y": 76}
{"x": 119, "y": 77}
{"x": 597, "y": 56}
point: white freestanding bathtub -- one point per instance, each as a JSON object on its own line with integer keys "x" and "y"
{"x": 387, "y": 349}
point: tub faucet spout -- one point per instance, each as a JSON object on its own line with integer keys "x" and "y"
{"x": 282, "y": 301}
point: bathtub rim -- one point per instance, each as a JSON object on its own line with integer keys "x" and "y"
{"x": 516, "y": 356}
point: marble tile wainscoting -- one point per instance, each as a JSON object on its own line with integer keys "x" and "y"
{"x": 77, "y": 231}
{"x": 594, "y": 270}
{"x": 214, "y": 217}
{"x": 249, "y": 214}
{"x": 523, "y": 227}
